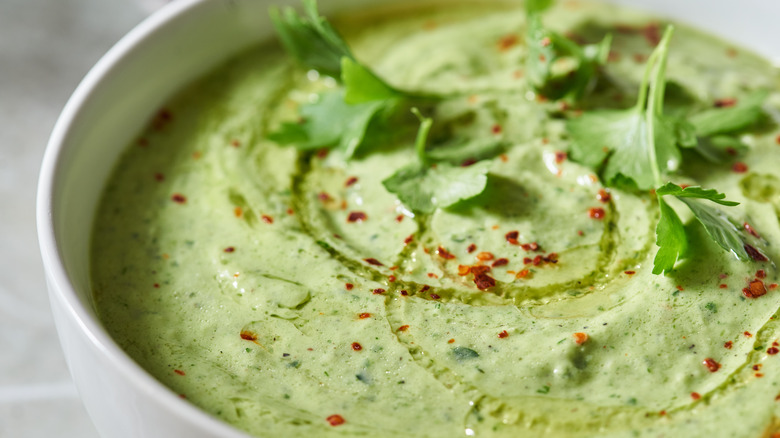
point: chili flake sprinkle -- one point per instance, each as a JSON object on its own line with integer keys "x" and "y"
{"x": 248, "y": 336}
{"x": 772, "y": 351}
{"x": 356, "y": 346}
{"x": 178, "y": 198}
{"x": 267, "y": 219}
{"x": 603, "y": 196}
{"x": 503, "y": 334}
{"x": 750, "y": 230}
{"x": 560, "y": 157}
{"x": 364, "y": 315}
{"x": 739, "y": 167}
{"x": 711, "y": 364}
{"x": 511, "y": 237}
{"x": 500, "y": 262}
{"x": 179, "y": 372}
{"x": 378, "y": 291}
{"x": 335, "y": 420}
{"x": 755, "y": 254}
{"x": 596, "y": 213}
{"x": 755, "y": 289}
{"x": 349, "y": 286}
{"x": 373, "y": 261}
{"x": 350, "y": 181}
{"x": 485, "y": 256}
{"x": 728, "y": 345}
{"x": 471, "y": 248}
{"x": 484, "y": 281}
{"x": 403, "y": 328}
{"x": 695, "y": 395}
{"x": 356, "y": 216}
{"x": 443, "y": 253}
{"x": 580, "y": 338}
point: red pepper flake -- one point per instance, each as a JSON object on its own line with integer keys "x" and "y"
{"x": 290, "y": 211}
{"x": 267, "y": 219}
{"x": 711, "y": 364}
{"x": 500, "y": 262}
{"x": 432, "y": 275}
{"x": 485, "y": 256}
{"x": 351, "y": 180}
{"x": 179, "y": 372}
{"x": 580, "y": 233}
{"x": 463, "y": 270}
{"x": 471, "y": 248}
{"x": 435, "y": 296}
{"x": 378, "y": 291}
{"x": 728, "y": 345}
{"x": 503, "y": 334}
{"x": 725, "y": 102}
{"x": 443, "y": 253}
{"x": 533, "y": 246}
{"x": 750, "y": 230}
{"x": 349, "y": 286}
{"x": 773, "y": 286}
{"x": 754, "y": 253}
{"x": 235, "y": 143}
{"x": 629, "y": 272}
{"x": 356, "y": 346}
{"x": 662, "y": 413}
{"x": 538, "y": 260}
{"x": 760, "y": 273}
{"x": 511, "y": 237}
{"x": 372, "y": 261}
{"x": 468, "y": 162}
{"x": 159, "y": 177}
{"x": 496, "y": 129}
{"x": 747, "y": 334}
{"x": 179, "y": 198}
{"x": 652, "y": 34}
{"x": 356, "y": 216}
{"x": 523, "y": 274}
{"x": 596, "y": 213}
{"x": 755, "y": 289}
{"x": 560, "y": 157}
{"x": 772, "y": 351}
{"x": 756, "y": 367}
{"x": 739, "y": 167}
{"x": 680, "y": 288}
{"x": 484, "y": 281}
{"x": 229, "y": 249}
{"x": 639, "y": 58}
{"x": 324, "y": 197}
{"x": 403, "y": 328}
{"x": 196, "y": 155}
{"x": 695, "y": 395}
{"x": 336, "y": 420}
{"x": 451, "y": 341}
{"x": 506, "y": 42}
{"x": 404, "y": 293}
{"x": 723, "y": 286}
{"x": 248, "y": 336}
{"x": 731, "y": 52}
{"x": 156, "y": 285}
{"x": 425, "y": 288}
{"x": 399, "y": 218}
{"x": 238, "y": 211}
{"x": 480, "y": 269}
{"x": 364, "y": 315}
{"x": 504, "y": 157}
{"x": 391, "y": 278}
{"x": 759, "y": 375}
{"x": 603, "y": 196}
{"x": 580, "y": 338}
{"x": 322, "y": 153}
{"x": 495, "y": 227}
{"x": 527, "y": 260}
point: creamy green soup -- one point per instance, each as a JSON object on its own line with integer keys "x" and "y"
{"x": 290, "y": 294}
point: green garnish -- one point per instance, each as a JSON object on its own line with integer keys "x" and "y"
{"x": 641, "y": 145}
{"x": 424, "y": 187}
{"x": 557, "y": 67}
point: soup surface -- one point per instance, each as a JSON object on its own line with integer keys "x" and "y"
{"x": 289, "y": 293}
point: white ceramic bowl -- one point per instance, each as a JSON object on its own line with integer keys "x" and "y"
{"x": 171, "y": 48}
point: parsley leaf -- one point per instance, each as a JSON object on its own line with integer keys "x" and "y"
{"x": 423, "y": 188}
{"x": 670, "y": 238}
{"x": 637, "y": 143}
{"x": 362, "y": 85}
{"x": 556, "y": 66}
{"x": 330, "y": 121}
{"x": 311, "y": 39}
{"x": 730, "y": 119}
{"x": 670, "y": 233}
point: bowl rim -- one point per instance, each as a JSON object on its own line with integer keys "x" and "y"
{"x": 60, "y": 285}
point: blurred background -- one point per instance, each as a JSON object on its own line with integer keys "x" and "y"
{"x": 46, "y": 47}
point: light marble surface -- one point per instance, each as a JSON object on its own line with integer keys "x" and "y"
{"x": 46, "y": 47}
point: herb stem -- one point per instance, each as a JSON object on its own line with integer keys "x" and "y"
{"x": 656, "y": 101}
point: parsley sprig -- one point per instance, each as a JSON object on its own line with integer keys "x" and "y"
{"x": 640, "y": 146}
{"x": 557, "y": 67}
{"x": 424, "y": 186}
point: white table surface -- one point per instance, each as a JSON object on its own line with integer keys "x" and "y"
{"x": 46, "y": 47}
